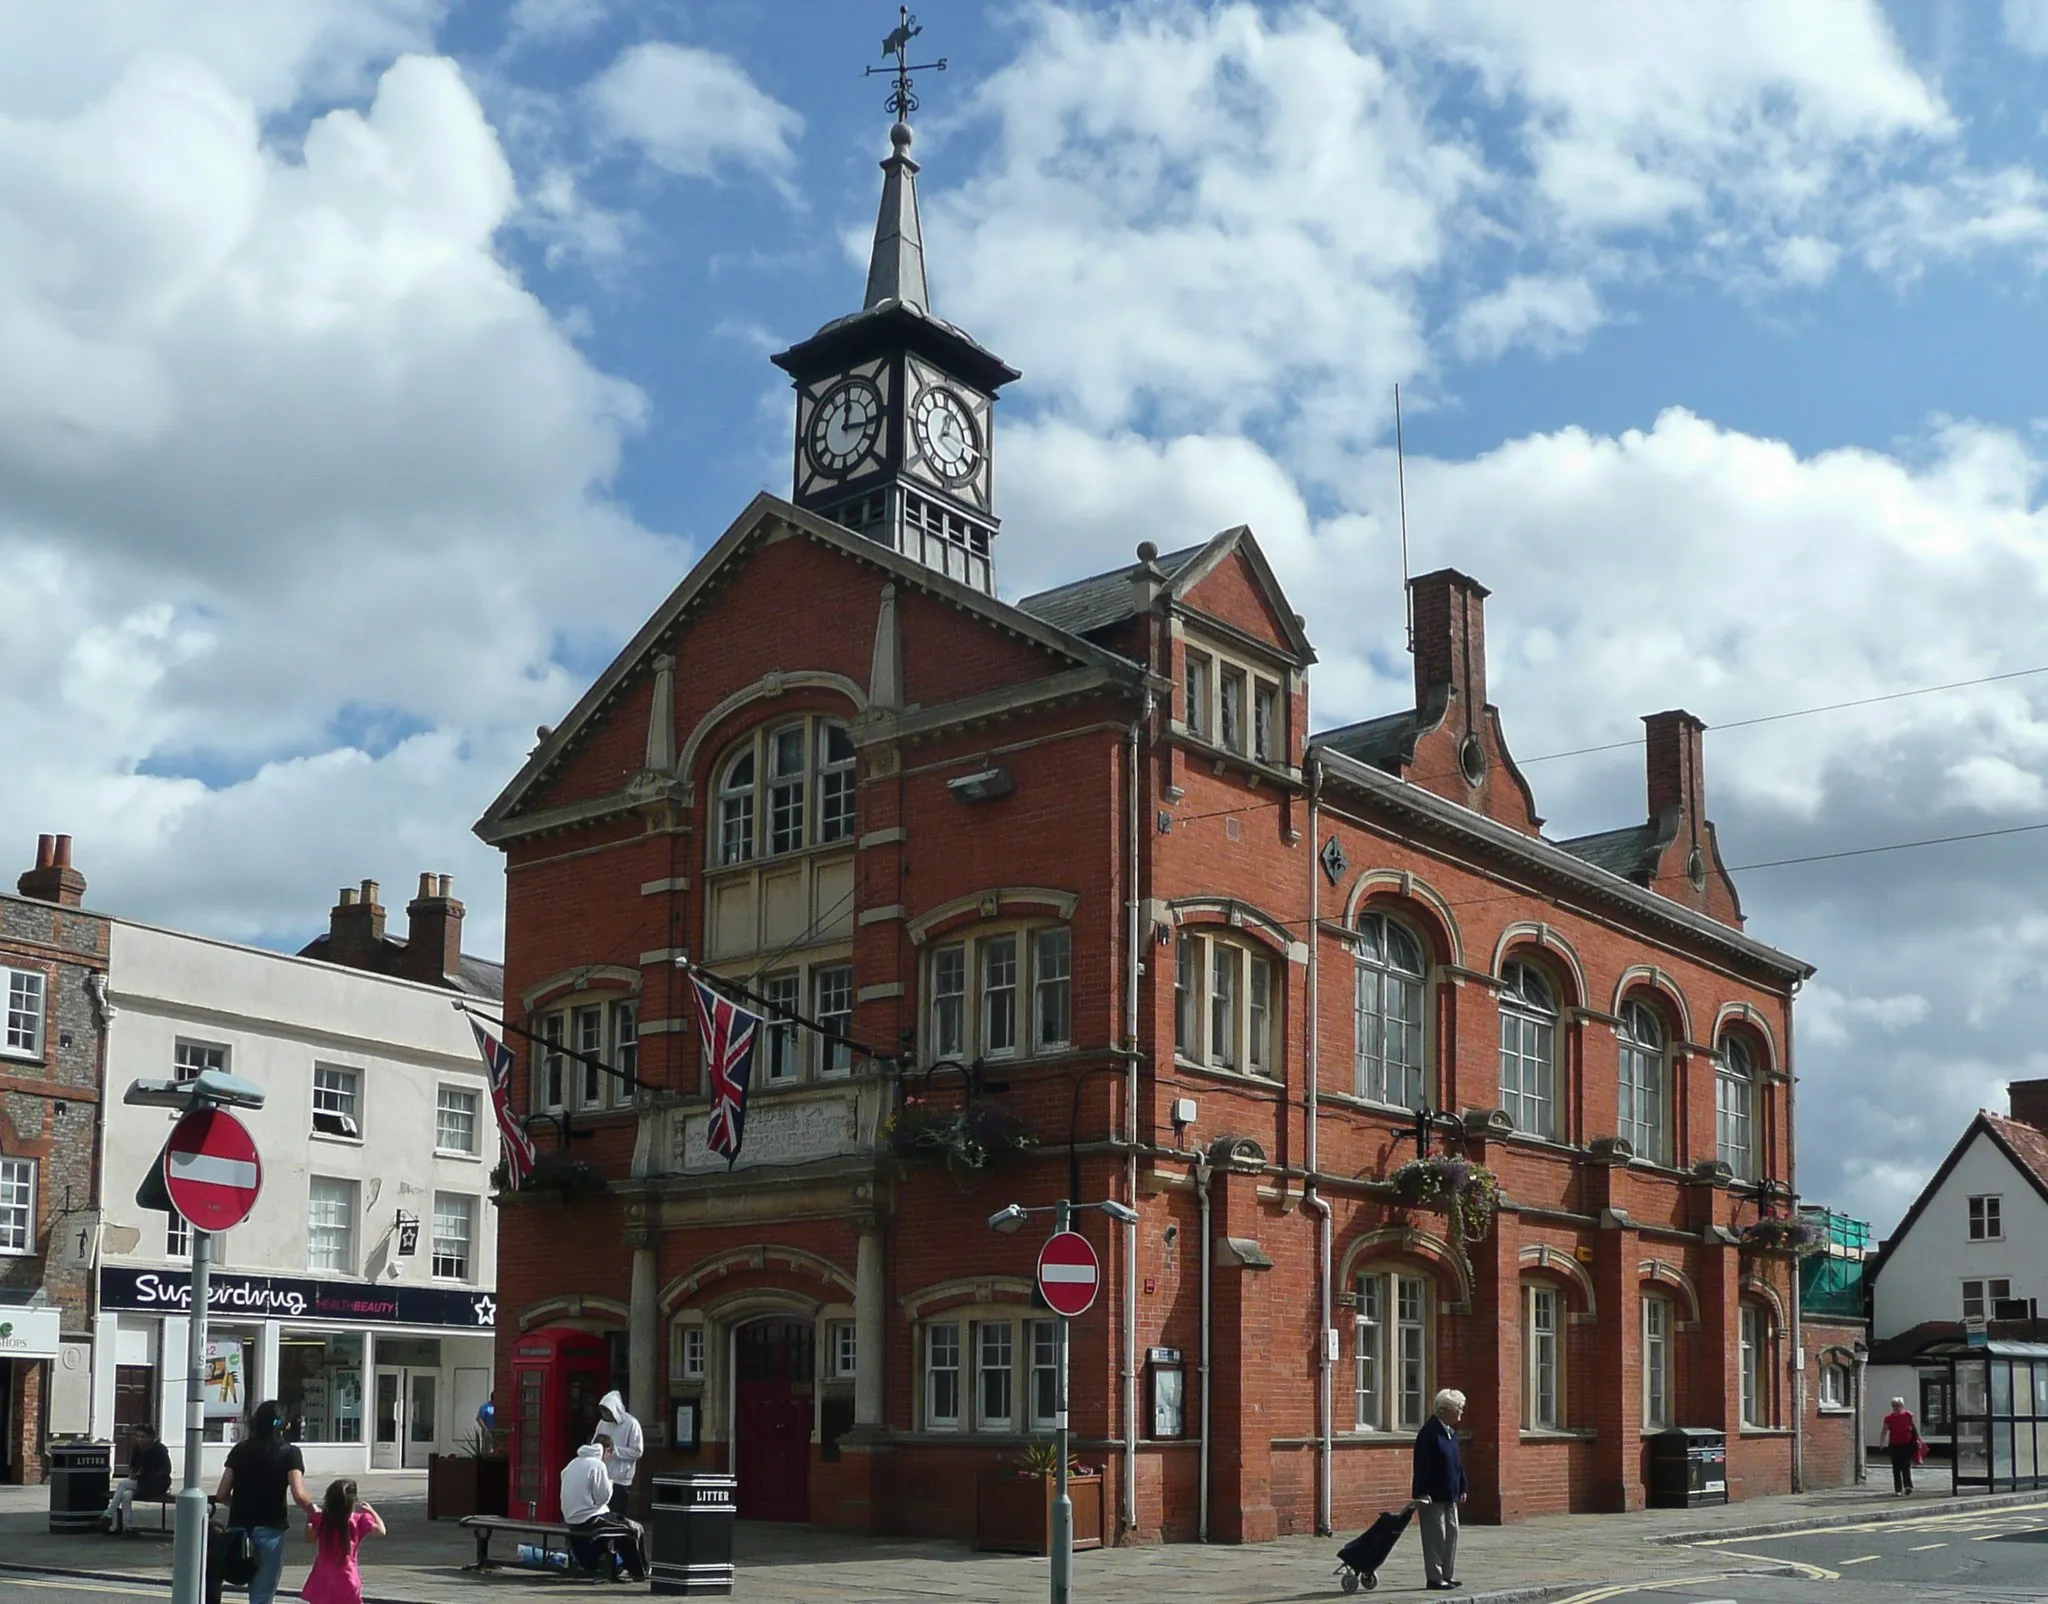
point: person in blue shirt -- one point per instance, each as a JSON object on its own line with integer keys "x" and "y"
{"x": 1439, "y": 1488}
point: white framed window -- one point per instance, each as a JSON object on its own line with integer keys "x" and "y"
{"x": 1982, "y": 1297}
{"x": 995, "y": 1375}
{"x": 1542, "y": 1359}
{"x": 625, "y": 1043}
{"x": 1001, "y": 993}
{"x": 1656, "y": 1363}
{"x": 949, "y": 1001}
{"x": 1387, "y": 1012}
{"x": 842, "y": 1349}
{"x": 337, "y": 1101}
{"x": 586, "y": 1036}
{"x": 18, "y": 1205}
{"x": 1643, "y": 1082}
{"x": 1393, "y": 1351}
{"x": 784, "y": 994}
{"x": 1528, "y": 1050}
{"x": 1199, "y": 677}
{"x": 21, "y": 1030}
{"x": 191, "y": 1059}
{"x": 1735, "y": 1108}
{"x": 551, "y": 1065}
{"x": 942, "y": 1376}
{"x": 786, "y": 788}
{"x": 455, "y": 1120}
{"x": 1052, "y": 1012}
{"x": 1755, "y": 1360}
{"x": 331, "y": 1225}
{"x": 177, "y": 1236}
{"x": 454, "y": 1234}
{"x": 690, "y": 1361}
{"x": 1230, "y": 700}
{"x": 1045, "y": 1374}
{"x": 1835, "y": 1384}
{"x": 1267, "y": 736}
{"x": 1987, "y": 1218}
{"x": 1225, "y": 1005}
{"x": 832, "y": 1007}
{"x": 998, "y": 995}
{"x": 1232, "y": 705}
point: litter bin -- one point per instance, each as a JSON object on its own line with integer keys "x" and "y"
{"x": 689, "y": 1534}
{"x": 1688, "y": 1467}
{"x": 81, "y": 1481}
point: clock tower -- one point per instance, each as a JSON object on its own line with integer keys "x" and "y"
{"x": 895, "y": 409}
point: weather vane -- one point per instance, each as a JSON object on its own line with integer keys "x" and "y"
{"x": 902, "y": 99}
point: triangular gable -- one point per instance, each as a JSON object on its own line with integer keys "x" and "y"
{"x": 1219, "y": 550}
{"x": 762, "y": 516}
{"x": 1986, "y": 1125}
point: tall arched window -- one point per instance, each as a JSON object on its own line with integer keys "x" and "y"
{"x": 1528, "y": 1050}
{"x": 736, "y": 808}
{"x": 1735, "y": 1108}
{"x": 1389, "y": 1014}
{"x": 785, "y": 788}
{"x": 1642, "y": 1082}
{"x": 1393, "y": 1346}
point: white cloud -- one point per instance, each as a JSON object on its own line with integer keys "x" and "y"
{"x": 1549, "y": 315}
{"x": 2026, "y": 25}
{"x": 693, "y": 112}
{"x": 551, "y": 21}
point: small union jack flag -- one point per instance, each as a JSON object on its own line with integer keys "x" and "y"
{"x": 518, "y": 1145}
{"x": 729, "y": 1034}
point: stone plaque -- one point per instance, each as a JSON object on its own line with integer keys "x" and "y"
{"x": 778, "y": 1132}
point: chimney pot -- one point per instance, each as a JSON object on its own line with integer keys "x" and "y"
{"x": 426, "y": 885}
{"x": 433, "y": 935}
{"x": 370, "y": 892}
{"x": 46, "y": 851}
{"x": 447, "y": 885}
{"x": 348, "y": 896}
{"x": 53, "y": 879}
{"x": 63, "y": 851}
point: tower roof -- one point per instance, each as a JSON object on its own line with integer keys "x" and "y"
{"x": 896, "y": 264}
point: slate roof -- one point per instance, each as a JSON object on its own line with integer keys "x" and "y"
{"x": 1385, "y": 742}
{"x": 477, "y": 977}
{"x": 1628, "y": 852}
{"x": 1101, "y": 600}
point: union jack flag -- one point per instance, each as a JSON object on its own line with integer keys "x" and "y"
{"x": 518, "y": 1145}
{"x": 729, "y": 1034}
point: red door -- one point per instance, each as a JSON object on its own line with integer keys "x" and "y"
{"x": 772, "y": 1439}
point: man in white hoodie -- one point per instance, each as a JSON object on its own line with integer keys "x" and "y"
{"x": 624, "y": 1444}
{"x": 586, "y": 1500}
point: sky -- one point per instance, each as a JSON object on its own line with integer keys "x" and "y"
{"x": 368, "y": 366}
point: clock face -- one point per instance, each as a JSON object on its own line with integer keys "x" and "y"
{"x": 945, "y": 431}
{"x": 844, "y": 426}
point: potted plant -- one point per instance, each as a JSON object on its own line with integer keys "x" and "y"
{"x": 1013, "y": 1503}
{"x": 1468, "y": 1193}
{"x": 568, "y": 1178}
{"x": 963, "y": 1139}
{"x": 1776, "y": 1234}
{"x": 474, "y": 1480}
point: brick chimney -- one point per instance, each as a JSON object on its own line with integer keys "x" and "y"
{"x": 53, "y": 879}
{"x": 2029, "y": 1102}
{"x": 1449, "y": 610}
{"x": 433, "y": 931}
{"x": 355, "y": 928}
{"x": 1674, "y": 767}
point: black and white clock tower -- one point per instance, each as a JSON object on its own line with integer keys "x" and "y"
{"x": 895, "y": 410}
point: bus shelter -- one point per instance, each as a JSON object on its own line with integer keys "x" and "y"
{"x": 2000, "y": 1393}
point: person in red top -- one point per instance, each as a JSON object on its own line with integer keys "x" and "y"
{"x": 1901, "y": 1439}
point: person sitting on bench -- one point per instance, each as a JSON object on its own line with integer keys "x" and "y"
{"x": 586, "y": 1511}
{"x": 149, "y": 1478}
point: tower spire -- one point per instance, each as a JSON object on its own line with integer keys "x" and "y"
{"x": 896, "y": 264}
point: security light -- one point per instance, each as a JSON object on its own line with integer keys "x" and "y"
{"x": 1007, "y": 1220}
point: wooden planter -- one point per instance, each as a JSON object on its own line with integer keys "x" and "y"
{"x": 462, "y": 1484}
{"x": 1013, "y": 1513}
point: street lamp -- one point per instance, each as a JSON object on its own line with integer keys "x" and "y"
{"x": 1007, "y": 1221}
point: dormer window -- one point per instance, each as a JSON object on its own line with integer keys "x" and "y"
{"x": 1232, "y": 706}
{"x": 786, "y": 788}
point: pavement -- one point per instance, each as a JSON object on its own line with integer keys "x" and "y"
{"x": 1767, "y": 1549}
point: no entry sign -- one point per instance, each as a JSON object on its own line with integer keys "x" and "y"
{"x": 1068, "y": 1273}
{"x": 211, "y": 1170}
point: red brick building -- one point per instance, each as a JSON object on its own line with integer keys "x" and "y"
{"x": 1074, "y": 867}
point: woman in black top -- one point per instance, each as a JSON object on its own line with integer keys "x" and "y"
{"x": 263, "y": 1469}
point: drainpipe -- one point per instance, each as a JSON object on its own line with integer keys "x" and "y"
{"x": 1798, "y": 1339}
{"x": 1311, "y": 1199}
{"x": 1133, "y": 943}
{"x": 1208, "y": 1253}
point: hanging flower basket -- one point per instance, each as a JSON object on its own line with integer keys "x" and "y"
{"x": 963, "y": 1139}
{"x": 1775, "y": 1234}
{"x": 1468, "y": 1193}
{"x": 568, "y": 1178}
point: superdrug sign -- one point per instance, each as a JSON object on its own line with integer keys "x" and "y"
{"x": 281, "y": 1297}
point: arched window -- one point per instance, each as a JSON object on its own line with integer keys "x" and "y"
{"x": 1389, "y": 1014}
{"x": 1642, "y": 1082}
{"x": 1528, "y": 1050}
{"x": 1658, "y": 1329}
{"x": 786, "y": 788}
{"x": 1543, "y": 1356}
{"x": 1735, "y": 1108}
{"x": 1395, "y": 1343}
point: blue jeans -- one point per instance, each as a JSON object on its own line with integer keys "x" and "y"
{"x": 268, "y": 1542}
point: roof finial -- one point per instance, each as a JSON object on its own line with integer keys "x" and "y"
{"x": 902, "y": 99}
{"x": 896, "y": 267}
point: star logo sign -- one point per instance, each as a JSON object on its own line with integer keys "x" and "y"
{"x": 486, "y": 1310}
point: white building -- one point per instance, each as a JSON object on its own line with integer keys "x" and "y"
{"x": 378, "y": 1114}
{"x": 1970, "y": 1255}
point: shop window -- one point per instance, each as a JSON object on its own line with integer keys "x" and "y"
{"x": 1542, "y": 1359}
{"x": 17, "y": 1205}
{"x": 454, "y": 1233}
{"x": 455, "y": 1120}
{"x": 1224, "y": 1004}
{"x": 1528, "y": 1050}
{"x": 1387, "y": 1061}
{"x": 1392, "y": 1335}
{"x": 1735, "y": 1108}
{"x": 1643, "y": 1081}
{"x": 784, "y": 789}
{"x": 1986, "y": 1219}
{"x": 233, "y": 1382}
{"x": 1656, "y": 1363}
{"x": 320, "y": 1385}
{"x": 21, "y": 1032}
{"x": 331, "y": 1225}
{"x": 191, "y": 1059}
{"x": 337, "y": 1101}
{"x": 1001, "y": 993}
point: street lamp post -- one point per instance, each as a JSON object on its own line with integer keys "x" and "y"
{"x": 1008, "y": 1221}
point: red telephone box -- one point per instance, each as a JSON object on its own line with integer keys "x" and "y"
{"x": 557, "y": 1377}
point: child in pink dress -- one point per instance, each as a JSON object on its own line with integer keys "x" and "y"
{"x": 339, "y": 1528}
